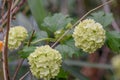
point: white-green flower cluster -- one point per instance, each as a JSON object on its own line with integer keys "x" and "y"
{"x": 116, "y": 65}
{"x": 17, "y": 34}
{"x": 89, "y": 35}
{"x": 45, "y": 62}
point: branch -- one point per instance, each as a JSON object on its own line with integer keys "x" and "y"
{"x": 5, "y": 51}
{"x": 107, "y": 10}
{"x": 24, "y": 75}
{"x": 2, "y": 9}
{"x": 17, "y": 68}
{"x": 14, "y": 9}
{"x": 79, "y": 21}
{"x": 22, "y": 60}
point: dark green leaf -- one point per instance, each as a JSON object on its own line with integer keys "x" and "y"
{"x": 26, "y": 51}
{"x": 104, "y": 18}
{"x": 41, "y": 34}
{"x": 68, "y": 49}
{"x": 65, "y": 50}
{"x": 38, "y": 11}
{"x": 113, "y": 40}
{"x": 71, "y": 43}
{"x": 56, "y": 22}
{"x": 62, "y": 74}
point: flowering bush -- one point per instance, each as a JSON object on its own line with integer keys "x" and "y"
{"x": 17, "y": 34}
{"x": 89, "y": 35}
{"x": 45, "y": 62}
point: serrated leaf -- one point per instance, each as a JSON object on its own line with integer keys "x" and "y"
{"x": 26, "y": 51}
{"x": 113, "y": 40}
{"x": 65, "y": 50}
{"x": 38, "y": 36}
{"x": 56, "y": 22}
{"x": 71, "y": 43}
{"x": 68, "y": 49}
{"x": 41, "y": 34}
{"x": 104, "y": 18}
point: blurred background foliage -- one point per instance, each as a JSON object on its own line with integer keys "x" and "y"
{"x": 50, "y": 19}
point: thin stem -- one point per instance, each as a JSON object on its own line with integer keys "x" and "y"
{"x": 29, "y": 42}
{"x": 14, "y": 9}
{"x": 107, "y": 10}
{"x": 79, "y": 21}
{"x": 22, "y": 60}
{"x": 2, "y": 9}
{"x": 17, "y": 69}
{"x": 86, "y": 64}
{"x": 5, "y": 51}
{"x": 24, "y": 75}
{"x": 43, "y": 39}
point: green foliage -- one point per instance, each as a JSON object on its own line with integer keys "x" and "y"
{"x": 38, "y": 11}
{"x": 68, "y": 49}
{"x": 26, "y": 51}
{"x": 56, "y": 22}
{"x": 40, "y": 35}
{"x": 62, "y": 74}
{"x": 104, "y": 18}
{"x": 113, "y": 40}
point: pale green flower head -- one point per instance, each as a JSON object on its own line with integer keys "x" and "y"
{"x": 89, "y": 35}
{"x": 45, "y": 62}
{"x": 116, "y": 65}
{"x": 17, "y": 34}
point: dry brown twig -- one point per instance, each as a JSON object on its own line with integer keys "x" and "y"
{"x": 5, "y": 51}
{"x": 15, "y": 7}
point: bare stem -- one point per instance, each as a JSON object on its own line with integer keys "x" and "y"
{"x": 5, "y": 51}
{"x": 14, "y": 9}
{"x": 107, "y": 10}
{"x": 79, "y": 21}
{"x": 24, "y": 75}
{"x": 21, "y": 61}
{"x": 17, "y": 68}
{"x": 2, "y": 9}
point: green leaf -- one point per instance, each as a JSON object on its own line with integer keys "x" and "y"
{"x": 56, "y": 22}
{"x": 39, "y": 38}
{"x": 40, "y": 35}
{"x": 113, "y": 40}
{"x": 77, "y": 51}
{"x": 68, "y": 49}
{"x": 26, "y": 51}
{"x": 104, "y": 18}
{"x": 65, "y": 50}
{"x": 38, "y": 11}
{"x": 62, "y": 74}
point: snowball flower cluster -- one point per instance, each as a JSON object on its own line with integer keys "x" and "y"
{"x": 17, "y": 34}
{"x": 116, "y": 65}
{"x": 89, "y": 35}
{"x": 45, "y": 62}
